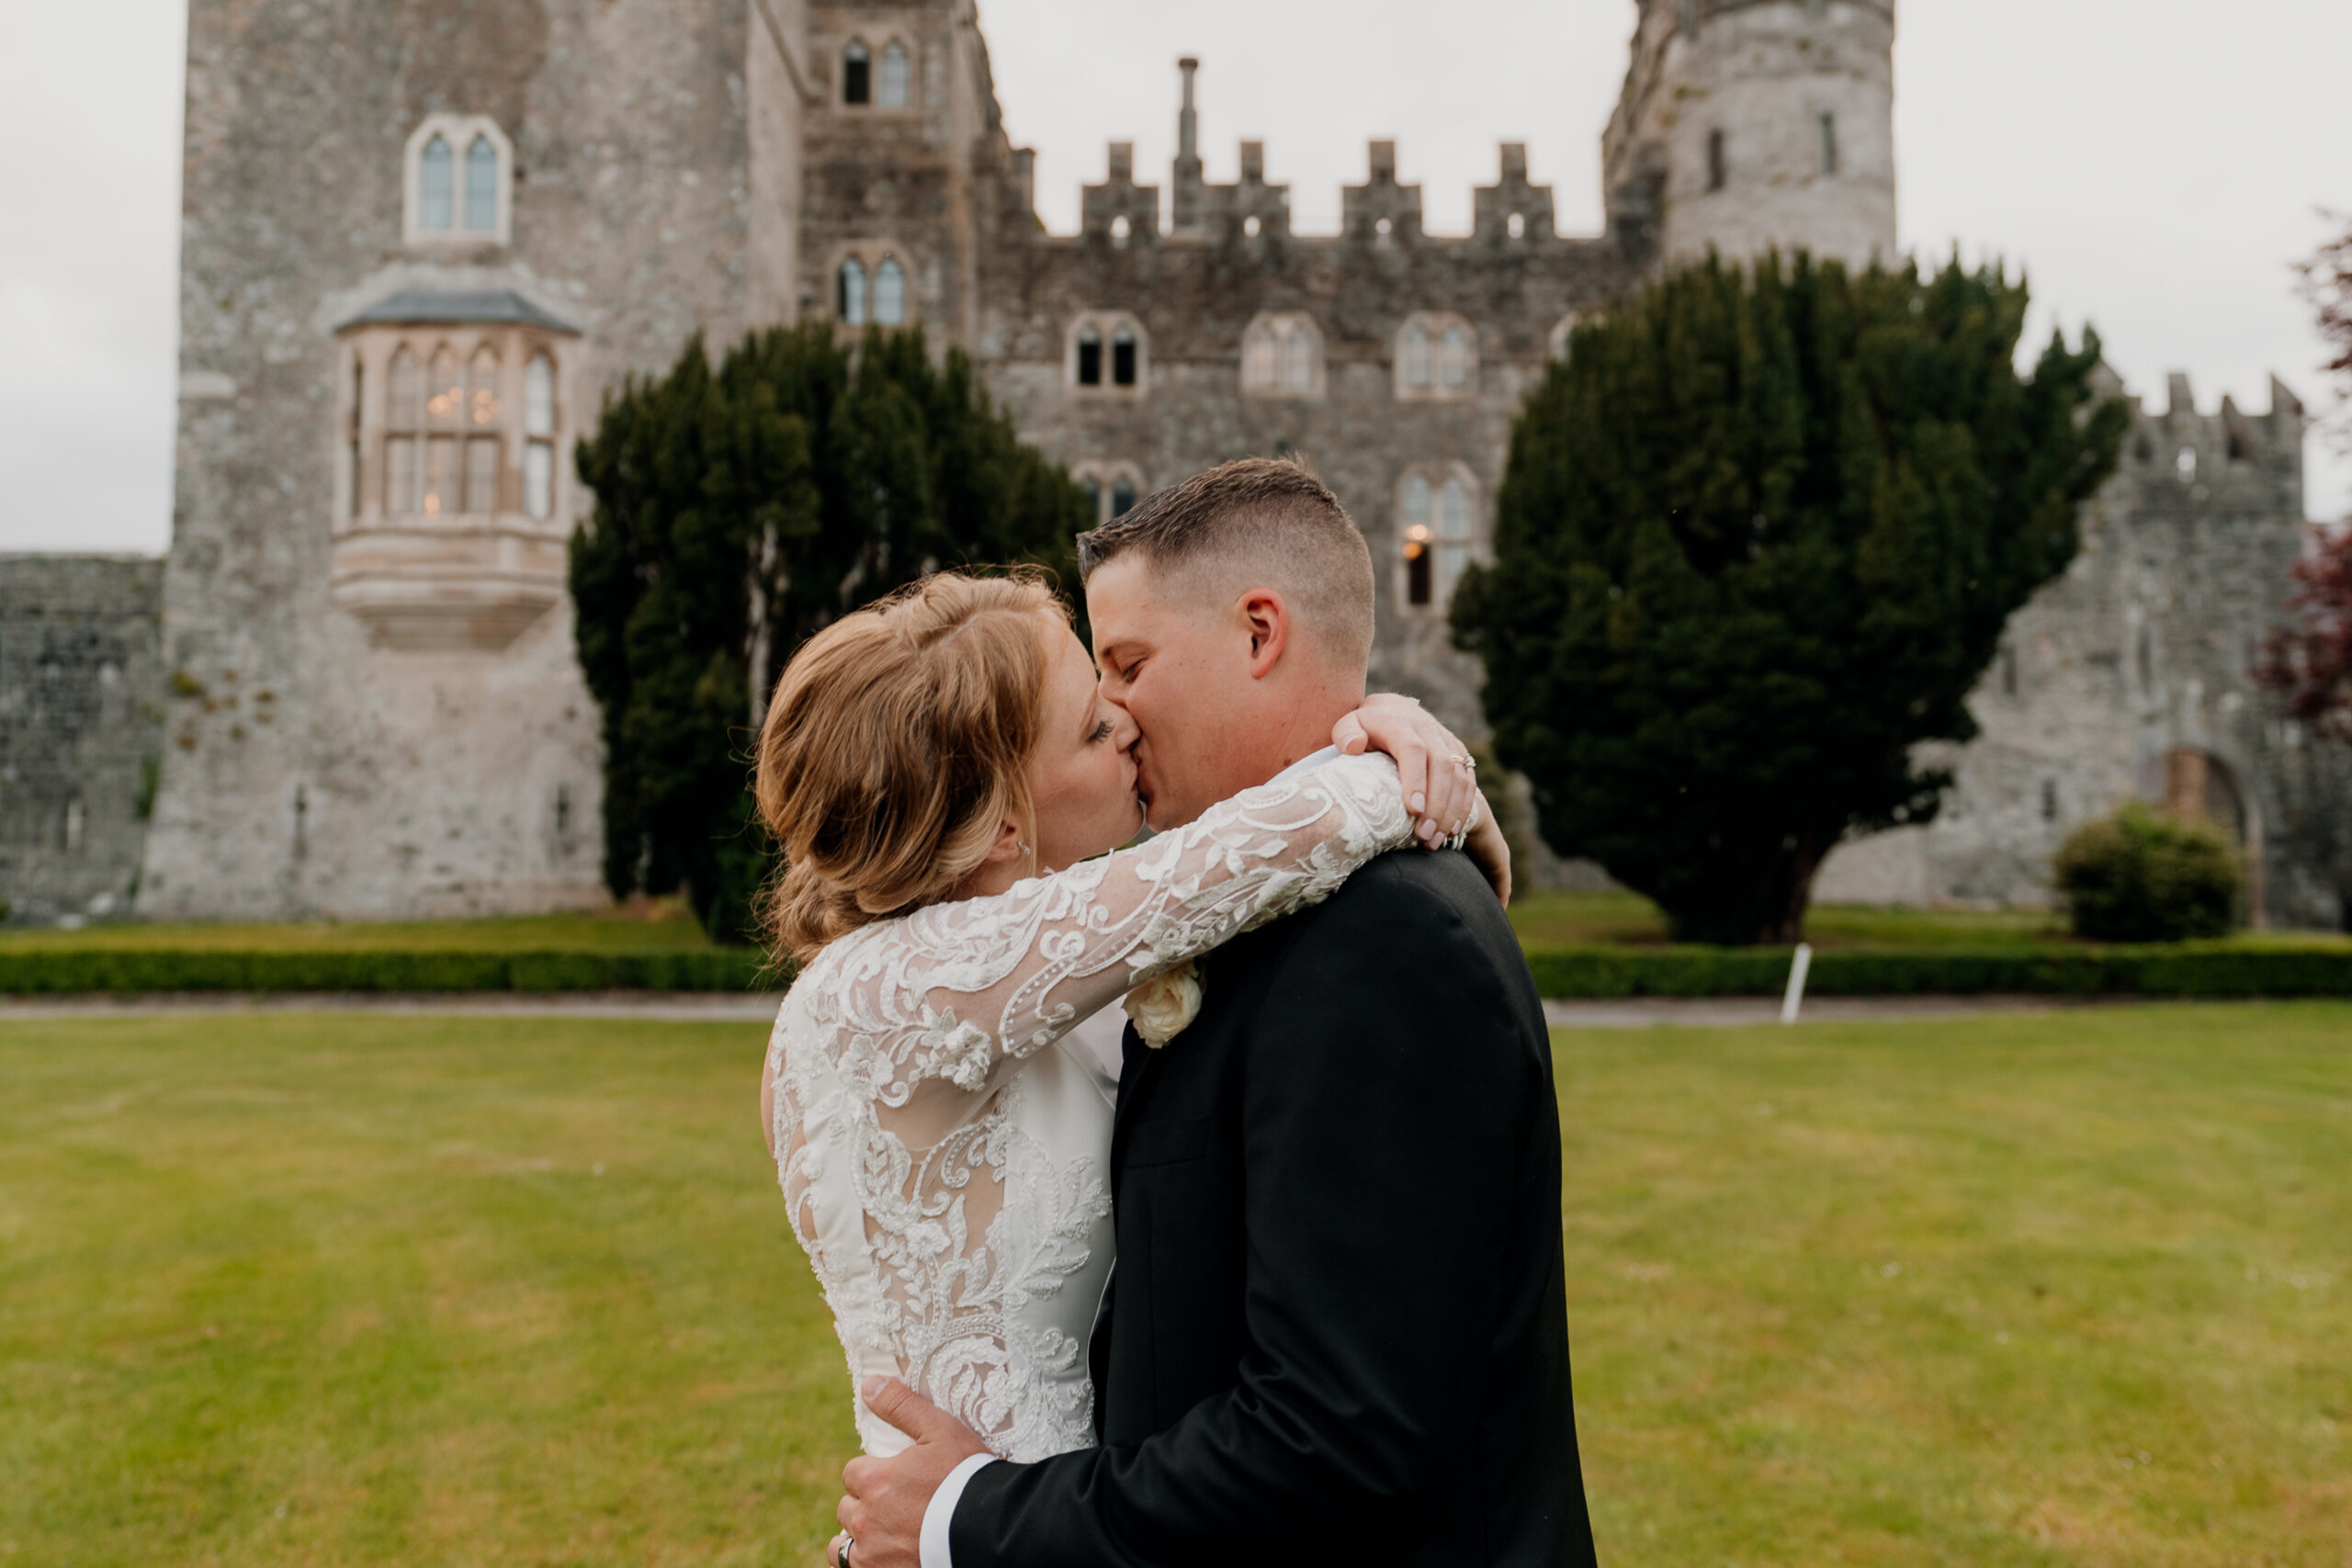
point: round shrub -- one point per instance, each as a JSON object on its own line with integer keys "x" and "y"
{"x": 2137, "y": 876}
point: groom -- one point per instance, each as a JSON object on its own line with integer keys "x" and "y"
{"x": 1336, "y": 1330}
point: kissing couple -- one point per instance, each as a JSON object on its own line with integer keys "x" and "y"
{"x": 1274, "y": 1275}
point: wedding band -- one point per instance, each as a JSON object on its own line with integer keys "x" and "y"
{"x": 841, "y": 1549}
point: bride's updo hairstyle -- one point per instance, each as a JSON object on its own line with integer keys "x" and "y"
{"x": 897, "y": 740}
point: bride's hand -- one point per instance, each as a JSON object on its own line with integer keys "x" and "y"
{"x": 1489, "y": 850}
{"x": 1434, "y": 766}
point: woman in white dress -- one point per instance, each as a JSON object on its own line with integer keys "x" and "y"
{"x": 944, "y": 780}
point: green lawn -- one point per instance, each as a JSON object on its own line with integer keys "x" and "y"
{"x": 2059, "y": 1289}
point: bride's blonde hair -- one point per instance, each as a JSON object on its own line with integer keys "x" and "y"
{"x": 897, "y": 740}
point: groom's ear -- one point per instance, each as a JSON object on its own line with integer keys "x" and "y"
{"x": 1266, "y": 618}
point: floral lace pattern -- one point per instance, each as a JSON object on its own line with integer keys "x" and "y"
{"x": 950, "y": 1202}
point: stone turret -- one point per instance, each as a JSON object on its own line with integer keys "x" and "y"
{"x": 1750, "y": 124}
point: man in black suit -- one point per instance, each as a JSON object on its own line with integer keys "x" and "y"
{"x": 1336, "y": 1329}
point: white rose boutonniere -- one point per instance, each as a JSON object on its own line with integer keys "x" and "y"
{"x": 1160, "y": 1009}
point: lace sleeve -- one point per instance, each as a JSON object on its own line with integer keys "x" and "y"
{"x": 948, "y": 998}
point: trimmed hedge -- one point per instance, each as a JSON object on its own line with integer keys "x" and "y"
{"x": 2190, "y": 970}
{"x": 55, "y": 971}
{"x": 2150, "y": 971}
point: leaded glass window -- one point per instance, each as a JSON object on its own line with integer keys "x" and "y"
{"x": 1453, "y": 357}
{"x": 849, "y": 304}
{"x": 893, "y": 84}
{"x": 436, "y": 186}
{"x": 890, "y": 293}
{"x": 1416, "y": 357}
{"x": 481, "y": 185}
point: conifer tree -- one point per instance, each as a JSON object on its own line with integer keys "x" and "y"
{"x": 1759, "y": 536}
{"x": 742, "y": 507}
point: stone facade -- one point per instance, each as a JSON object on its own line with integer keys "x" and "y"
{"x": 364, "y": 604}
{"x": 422, "y": 241}
{"x": 80, "y": 731}
{"x": 1750, "y": 124}
{"x": 2126, "y": 678}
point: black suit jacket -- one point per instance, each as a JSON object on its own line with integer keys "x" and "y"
{"x": 1337, "y": 1328}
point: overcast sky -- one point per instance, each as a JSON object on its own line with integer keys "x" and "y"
{"x": 2155, "y": 166}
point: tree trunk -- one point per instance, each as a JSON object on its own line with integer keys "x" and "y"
{"x": 1789, "y": 894}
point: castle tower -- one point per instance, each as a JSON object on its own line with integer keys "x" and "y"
{"x": 1749, "y": 124}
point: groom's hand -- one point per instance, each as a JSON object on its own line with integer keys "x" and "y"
{"x": 883, "y": 1512}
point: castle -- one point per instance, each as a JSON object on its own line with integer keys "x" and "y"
{"x": 422, "y": 241}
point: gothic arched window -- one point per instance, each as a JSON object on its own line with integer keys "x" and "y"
{"x": 1437, "y": 356}
{"x": 436, "y": 186}
{"x": 1282, "y": 356}
{"x": 1106, "y": 350}
{"x": 403, "y": 416}
{"x": 890, "y": 293}
{"x": 849, "y": 293}
{"x": 1436, "y": 513}
{"x": 1453, "y": 533}
{"x": 482, "y": 430}
{"x": 892, "y": 93}
{"x": 1453, "y": 358}
{"x": 1111, "y": 489}
{"x": 445, "y": 401}
{"x": 481, "y": 185}
{"x": 539, "y": 432}
{"x": 857, "y": 68}
{"x": 1420, "y": 566}
{"x": 458, "y": 184}
{"x": 1417, "y": 356}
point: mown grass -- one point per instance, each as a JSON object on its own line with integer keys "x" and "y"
{"x": 2065, "y": 1290}
{"x": 352, "y": 1289}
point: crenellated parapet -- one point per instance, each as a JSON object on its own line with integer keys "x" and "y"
{"x": 1381, "y": 212}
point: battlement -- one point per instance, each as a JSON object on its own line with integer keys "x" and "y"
{"x": 2228, "y": 435}
{"x": 1381, "y": 211}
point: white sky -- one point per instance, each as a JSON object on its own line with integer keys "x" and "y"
{"x": 2155, "y": 166}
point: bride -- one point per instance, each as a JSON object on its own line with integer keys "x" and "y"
{"x": 945, "y": 781}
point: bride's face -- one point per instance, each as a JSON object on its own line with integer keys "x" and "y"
{"x": 1082, "y": 773}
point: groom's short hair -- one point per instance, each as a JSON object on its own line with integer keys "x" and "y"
{"x": 1265, "y": 520}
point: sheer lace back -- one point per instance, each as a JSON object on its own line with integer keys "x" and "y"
{"x": 948, "y": 1198}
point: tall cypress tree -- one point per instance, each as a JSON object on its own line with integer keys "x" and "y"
{"x": 740, "y": 508}
{"x": 1758, "y": 538}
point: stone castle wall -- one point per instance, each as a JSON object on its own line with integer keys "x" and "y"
{"x": 321, "y": 762}
{"x": 80, "y": 731}
{"x": 375, "y": 711}
{"x": 1746, "y": 125}
{"x": 2127, "y": 679}
{"x": 1192, "y": 295}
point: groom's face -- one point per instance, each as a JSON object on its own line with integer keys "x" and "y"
{"x": 1180, "y": 664}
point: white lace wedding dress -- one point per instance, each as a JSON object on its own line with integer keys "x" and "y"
{"x": 944, "y": 1147}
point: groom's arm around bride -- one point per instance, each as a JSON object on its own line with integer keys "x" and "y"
{"x": 1336, "y": 1329}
